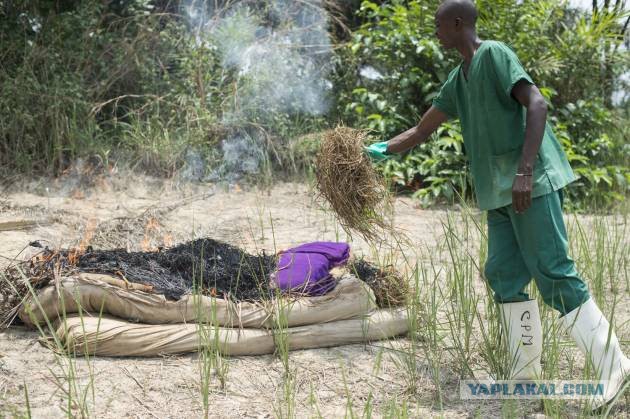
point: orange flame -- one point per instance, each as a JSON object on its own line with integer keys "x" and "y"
{"x": 88, "y": 235}
{"x": 152, "y": 225}
{"x": 167, "y": 240}
{"x": 151, "y": 240}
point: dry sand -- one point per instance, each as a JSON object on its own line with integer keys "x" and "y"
{"x": 329, "y": 382}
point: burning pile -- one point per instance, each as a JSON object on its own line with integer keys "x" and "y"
{"x": 348, "y": 181}
{"x": 204, "y": 265}
{"x": 207, "y": 266}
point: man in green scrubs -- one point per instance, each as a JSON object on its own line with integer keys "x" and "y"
{"x": 518, "y": 169}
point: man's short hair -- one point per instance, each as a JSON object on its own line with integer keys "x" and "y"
{"x": 463, "y": 9}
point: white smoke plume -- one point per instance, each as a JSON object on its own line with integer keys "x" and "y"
{"x": 279, "y": 49}
{"x": 242, "y": 155}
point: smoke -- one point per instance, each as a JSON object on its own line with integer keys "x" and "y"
{"x": 242, "y": 155}
{"x": 370, "y": 73}
{"x": 279, "y": 52}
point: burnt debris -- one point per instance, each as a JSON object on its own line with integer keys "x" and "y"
{"x": 205, "y": 265}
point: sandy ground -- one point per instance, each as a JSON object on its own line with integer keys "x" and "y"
{"x": 333, "y": 382}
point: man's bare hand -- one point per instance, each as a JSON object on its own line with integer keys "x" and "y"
{"x": 521, "y": 193}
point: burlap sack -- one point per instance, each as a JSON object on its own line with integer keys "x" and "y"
{"x": 115, "y": 337}
{"x": 95, "y": 294}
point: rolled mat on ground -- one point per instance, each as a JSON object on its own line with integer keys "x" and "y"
{"x": 94, "y": 295}
{"x": 116, "y": 303}
{"x": 82, "y": 307}
{"x": 115, "y": 337}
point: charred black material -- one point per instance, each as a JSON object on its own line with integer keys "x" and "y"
{"x": 363, "y": 269}
{"x": 206, "y": 265}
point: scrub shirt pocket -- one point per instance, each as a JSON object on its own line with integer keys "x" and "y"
{"x": 504, "y": 167}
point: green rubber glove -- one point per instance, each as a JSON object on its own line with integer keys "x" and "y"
{"x": 377, "y": 151}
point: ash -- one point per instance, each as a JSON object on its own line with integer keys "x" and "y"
{"x": 204, "y": 265}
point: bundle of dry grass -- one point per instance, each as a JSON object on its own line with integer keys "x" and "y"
{"x": 389, "y": 286}
{"x": 348, "y": 181}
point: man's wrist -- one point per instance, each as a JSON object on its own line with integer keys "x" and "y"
{"x": 525, "y": 169}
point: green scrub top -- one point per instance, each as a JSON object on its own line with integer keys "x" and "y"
{"x": 493, "y": 127}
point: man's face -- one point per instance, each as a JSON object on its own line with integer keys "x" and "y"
{"x": 446, "y": 30}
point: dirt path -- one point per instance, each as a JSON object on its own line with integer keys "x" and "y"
{"x": 328, "y": 382}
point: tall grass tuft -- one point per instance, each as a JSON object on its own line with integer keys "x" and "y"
{"x": 79, "y": 397}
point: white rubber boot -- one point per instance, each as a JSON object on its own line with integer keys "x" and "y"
{"x": 521, "y": 323}
{"x": 590, "y": 330}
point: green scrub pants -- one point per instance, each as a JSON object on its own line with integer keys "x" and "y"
{"x": 533, "y": 244}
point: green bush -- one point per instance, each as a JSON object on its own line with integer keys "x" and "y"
{"x": 436, "y": 171}
{"x": 74, "y": 75}
{"x": 396, "y": 41}
{"x": 551, "y": 40}
{"x": 594, "y": 142}
{"x": 138, "y": 81}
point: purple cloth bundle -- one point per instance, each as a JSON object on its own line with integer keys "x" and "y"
{"x": 306, "y": 268}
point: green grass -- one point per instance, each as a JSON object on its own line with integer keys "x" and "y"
{"x": 285, "y": 404}
{"x": 454, "y": 331}
{"x": 73, "y": 370}
{"x": 212, "y": 364}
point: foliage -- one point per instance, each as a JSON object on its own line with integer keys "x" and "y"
{"x": 551, "y": 39}
{"x": 144, "y": 82}
{"x": 394, "y": 66}
{"x": 435, "y": 170}
{"x": 594, "y": 142}
{"x": 133, "y": 81}
{"x": 74, "y": 78}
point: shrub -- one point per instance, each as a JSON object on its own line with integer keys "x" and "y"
{"x": 393, "y": 67}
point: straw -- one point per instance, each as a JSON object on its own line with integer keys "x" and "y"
{"x": 347, "y": 180}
